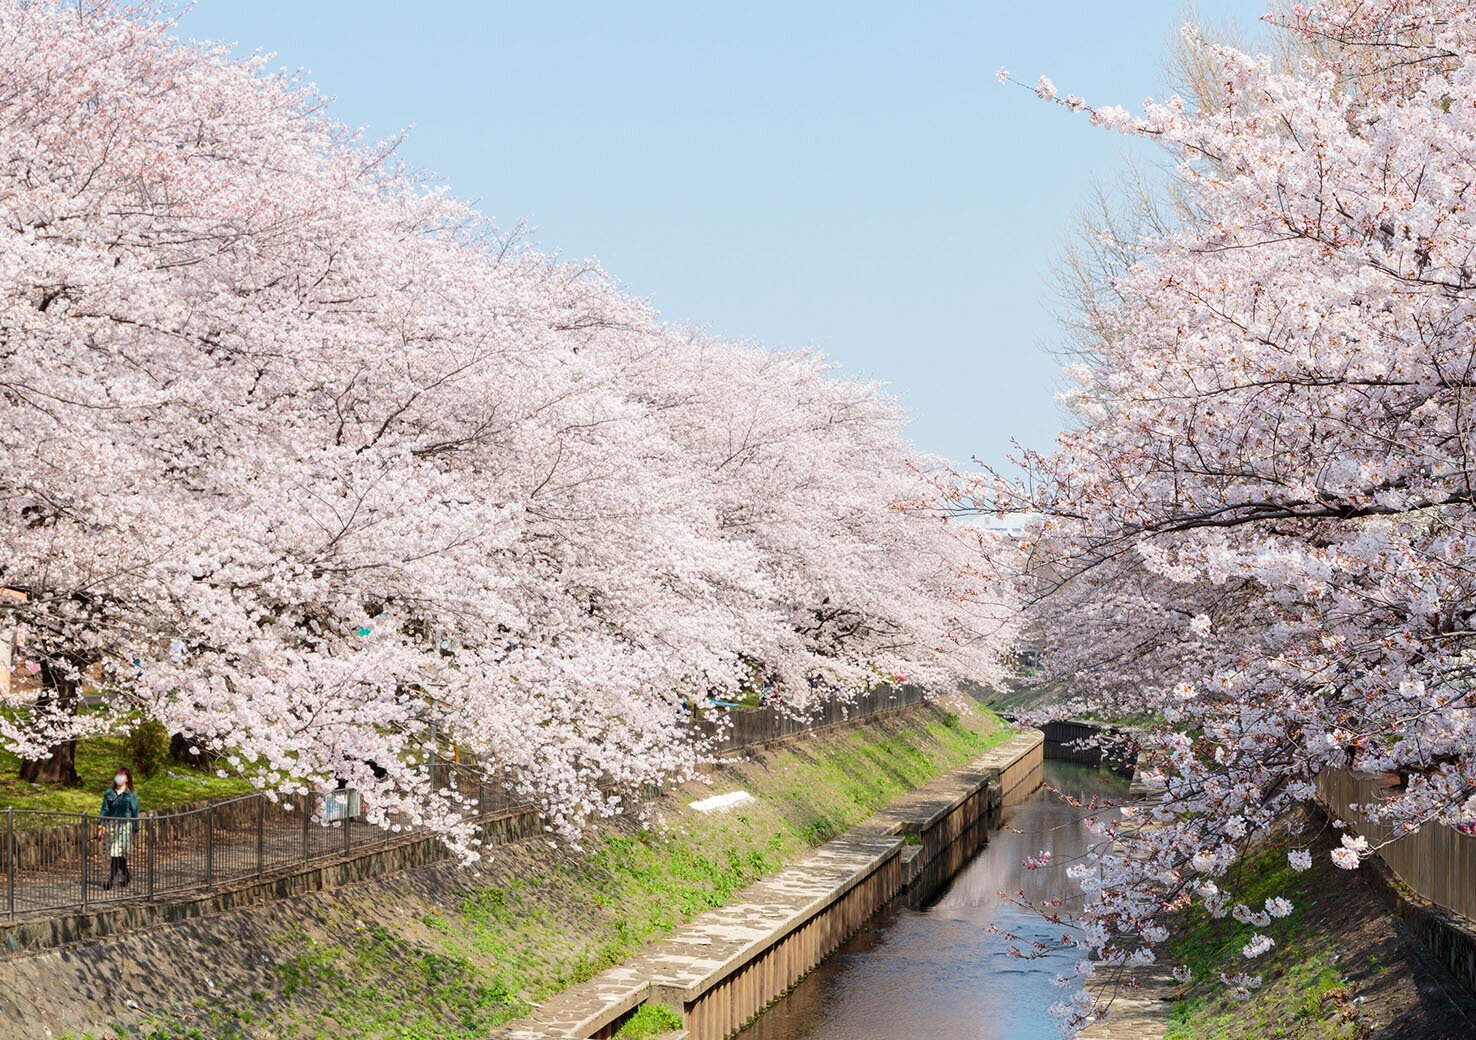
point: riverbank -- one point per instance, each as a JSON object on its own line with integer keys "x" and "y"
{"x": 721, "y": 970}
{"x": 1344, "y": 967}
{"x": 439, "y": 952}
{"x": 942, "y": 967}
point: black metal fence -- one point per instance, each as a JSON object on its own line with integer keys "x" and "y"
{"x": 732, "y": 730}
{"x": 56, "y": 861}
{"x": 71, "y": 861}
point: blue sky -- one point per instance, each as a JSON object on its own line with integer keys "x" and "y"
{"x": 846, "y": 176}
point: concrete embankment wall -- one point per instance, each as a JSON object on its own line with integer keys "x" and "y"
{"x": 1431, "y": 874}
{"x": 718, "y": 1004}
{"x": 729, "y": 964}
{"x": 1018, "y": 766}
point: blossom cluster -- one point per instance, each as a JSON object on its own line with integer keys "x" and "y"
{"x": 325, "y": 471}
{"x": 1261, "y": 529}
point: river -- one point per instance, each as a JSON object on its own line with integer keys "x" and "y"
{"x": 936, "y": 972}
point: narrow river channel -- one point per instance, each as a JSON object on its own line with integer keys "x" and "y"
{"x": 936, "y": 972}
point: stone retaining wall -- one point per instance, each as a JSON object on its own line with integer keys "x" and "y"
{"x": 1451, "y": 938}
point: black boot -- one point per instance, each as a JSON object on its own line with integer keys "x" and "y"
{"x": 112, "y": 873}
{"x": 127, "y": 874}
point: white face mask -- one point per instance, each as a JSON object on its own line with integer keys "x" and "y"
{"x": 119, "y": 780}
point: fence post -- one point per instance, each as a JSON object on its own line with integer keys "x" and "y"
{"x": 347, "y": 805}
{"x": 307, "y": 808}
{"x": 153, "y": 837}
{"x": 209, "y": 845}
{"x": 86, "y": 847}
{"x": 260, "y": 831}
{"x": 10, "y": 859}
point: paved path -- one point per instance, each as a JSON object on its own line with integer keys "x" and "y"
{"x": 1142, "y": 1009}
{"x": 711, "y": 945}
{"x": 177, "y": 865}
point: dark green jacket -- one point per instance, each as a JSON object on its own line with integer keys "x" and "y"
{"x": 122, "y": 803}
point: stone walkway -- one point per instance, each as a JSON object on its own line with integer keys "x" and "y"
{"x": 711, "y": 945}
{"x": 1142, "y": 1008}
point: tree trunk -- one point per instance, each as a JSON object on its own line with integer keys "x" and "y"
{"x": 58, "y": 693}
{"x": 179, "y": 750}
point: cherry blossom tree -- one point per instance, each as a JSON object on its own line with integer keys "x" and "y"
{"x": 1259, "y": 531}
{"x": 804, "y": 472}
{"x": 320, "y": 469}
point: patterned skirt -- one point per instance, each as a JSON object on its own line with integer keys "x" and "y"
{"x": 119, "y": 835}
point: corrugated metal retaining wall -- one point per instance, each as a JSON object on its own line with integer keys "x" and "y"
{"x": 1437, "y": 861}
{"x": 1074, "y": 740}
{"x": 735, "y": 1000}
{"x": 1020, "y": 779}
{"x": 727, "y": 1006}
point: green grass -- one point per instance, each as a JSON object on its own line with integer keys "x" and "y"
{"x": 1303, "y": 993}
{"x": 381, "y": 986}
{"x": 97, "y": 758}
{"x": 650, "y": 1020}
{"x": 552, "y": 930}
{"x": 456, "y": 965}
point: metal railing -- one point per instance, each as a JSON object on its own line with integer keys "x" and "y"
{"x": 59, "y": 861}
{"x": 731, "y": 731}
{"x": 64, "y": 861}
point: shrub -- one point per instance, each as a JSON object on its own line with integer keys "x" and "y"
{"x": 146, "y": 745}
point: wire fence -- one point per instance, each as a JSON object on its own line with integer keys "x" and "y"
{"x": 59, "y": 861}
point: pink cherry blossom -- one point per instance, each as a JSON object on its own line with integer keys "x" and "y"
{"x": 330, "y": 474}
{"x": 1260, "y": 529}
{"x": 1258, "y": 945}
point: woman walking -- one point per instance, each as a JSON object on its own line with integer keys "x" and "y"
{"x": 119, "y": 825}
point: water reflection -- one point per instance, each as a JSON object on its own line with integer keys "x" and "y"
{"x": 937, "y": 972}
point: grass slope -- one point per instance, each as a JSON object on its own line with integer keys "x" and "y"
{"x": 454, "y": 960}
{"x": 97, "y": 758}
{"x": 1343, "y": 968}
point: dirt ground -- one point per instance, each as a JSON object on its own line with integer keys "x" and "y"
{"x": 1399, "y": 989}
